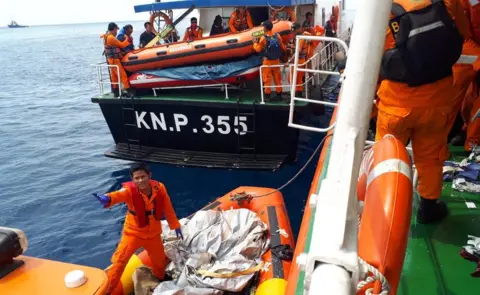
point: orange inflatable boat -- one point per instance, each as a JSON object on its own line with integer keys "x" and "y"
{"x": 270, "y": 207}
{"x": 225, "y": 46}
{"x": 385, "y": 187}
{"x": 28, "y": 275}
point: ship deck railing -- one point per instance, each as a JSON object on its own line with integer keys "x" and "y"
{"x": 100, "y": 69}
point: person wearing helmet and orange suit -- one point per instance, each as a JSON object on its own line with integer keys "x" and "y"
{"x": 417, "y": 93}
{"x": 147, "y": 201}
{"x": 272, "y": 46}
{"x": 240, "y": 20}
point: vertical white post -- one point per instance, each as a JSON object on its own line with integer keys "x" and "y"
{"x": 334, "y": 236}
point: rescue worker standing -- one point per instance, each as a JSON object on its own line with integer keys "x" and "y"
{"x": 240, "y": 20}
{"x": 417, "y": 91}
{"x": 272, "y": 46}
{"x": 147, "y": 201}
{"x": 302, "y": 55}
{"x": 193, "y": 32}
{"x": 113, "y": 52}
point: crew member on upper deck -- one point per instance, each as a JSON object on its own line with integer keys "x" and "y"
{"x": 113, "y": 52}
{"x": 417, "y": 91}
{"x": 240, "y": 20}
{"x": 146, "y": 36}
{"x": 193, "y": 32}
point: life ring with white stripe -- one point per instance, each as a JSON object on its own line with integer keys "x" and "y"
{"x": 385, "y": 188}
{"x": 162, "y": 15}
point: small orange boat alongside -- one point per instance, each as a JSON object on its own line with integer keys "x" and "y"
{"x": 225, "y": 46}
{"x": 28, "y": 275}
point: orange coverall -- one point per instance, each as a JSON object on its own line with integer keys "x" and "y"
{"x": 237, "y": 20}
{"x": 302, "y": 55}
{"x": 192, "y": 35}
{"x": 274, "y": 72}
{"x": 470, "y": 107}
{"x": 110, "y": 40}
{"x": 422, "y": 114}
{"x": 135, "y": 237}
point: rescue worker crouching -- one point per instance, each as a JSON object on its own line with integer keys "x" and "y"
{"x": 240, "y": 20}
{"x": 272, "y": 46}
{"x": 147, "y": 201}
{"x": 416, "y": 99}
{"x": 193, "y": 32}
{"x": 113, "y": 52}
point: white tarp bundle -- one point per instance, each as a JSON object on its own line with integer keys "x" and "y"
{"x": 219, "y": 242}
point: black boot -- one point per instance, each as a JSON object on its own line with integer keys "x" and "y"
{"x": 279, "y": 96}
{"x": 266, "y": 96}
{"x": 431, "y": 211}
{"x": 459, "y": 139}
{"x": 298, "y": 94}
{"x": 116, "y": 92}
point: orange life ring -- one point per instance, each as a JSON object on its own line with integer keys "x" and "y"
{"x": 289, "y": 10}
{"x": 163, "y": 15}
{"x": 385, "y": 186}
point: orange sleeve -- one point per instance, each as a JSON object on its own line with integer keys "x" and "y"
{"x": 120, "y": 196}
{"x": 200, "y": 34}
{"x": 459, "y": 15}
{"x": 114, "y": 42}
{"x": 249, "y": 20}
{"x": 260, "y": 45}
{"x": 282, "y": 45}
{"x": 231, "y": 22}
{"x": 168, "y": 211}
{"x": 185, "y": 36}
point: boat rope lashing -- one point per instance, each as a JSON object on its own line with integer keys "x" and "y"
{"x": 376, "y": 275}
{"x": 283, "y": 252}
{"x": 247, "y": 271}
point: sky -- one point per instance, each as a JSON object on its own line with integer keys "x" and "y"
{"x": 46, "y": 12}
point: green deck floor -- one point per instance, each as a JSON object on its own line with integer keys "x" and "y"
{"x": 433, "y": 264}
{"x": 212, "y": 95}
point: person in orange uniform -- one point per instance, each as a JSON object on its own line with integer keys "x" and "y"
{"x": 240, "y": 20}
{"x": 317, "y": 31}
{"x": 147, "y": 201}
{"x": 272, "y": 46}
{"x": 302, "y": 55}
{"x": 473, "y": 124}
{"x": 417, "y": 92}
{"x": 193, "y": 32}
{"x": 464, "y": 73}
{"x": 113, "y": 51}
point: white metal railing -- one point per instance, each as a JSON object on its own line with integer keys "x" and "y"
{"x": 313, "y": 61}
{"x": 101, "y": 80}
{"x": 297, "y": 69}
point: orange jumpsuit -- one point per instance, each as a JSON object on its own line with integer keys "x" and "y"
{"x": 193, "y": 34}
{"x": 240, "y": 22}
{"x": 422, "y": 114}
{"x": 302, "y": 55}
{"x": 112, "y": 42}
{"x": 318, "y": 31}
{"x": 269, "y": 73}
{"x": 135, "y": 237}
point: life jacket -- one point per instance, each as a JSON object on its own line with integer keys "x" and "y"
{"x": 192, "y": 34}
{"x": 111, "y": 51}
{"x": 427, "y": 43}
{"x": 241, "y": 23}
{"x": 138, "y": 210}
{"x": 303, "y": 51}
{"x": 474, "y": 16}
{"x": 272, "y": 50}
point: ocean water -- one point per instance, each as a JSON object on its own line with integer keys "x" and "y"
{"x": 52, "y": 140}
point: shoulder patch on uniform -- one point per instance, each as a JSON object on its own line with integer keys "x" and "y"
{"x": 155, "y": 187}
